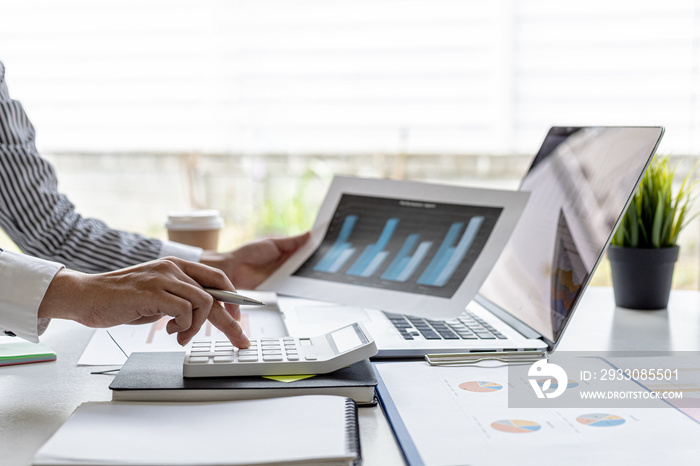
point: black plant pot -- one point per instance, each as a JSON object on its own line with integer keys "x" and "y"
{"x": 642, "y": 277}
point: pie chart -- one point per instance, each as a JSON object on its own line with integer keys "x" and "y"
{"x": 516, "y": 426}
{"x": 600, "y": 420}
{"x": 480, "y": 386}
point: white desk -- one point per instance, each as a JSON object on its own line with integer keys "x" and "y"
{"x": 597, "y": 325}
{"x": 35, "y": 399}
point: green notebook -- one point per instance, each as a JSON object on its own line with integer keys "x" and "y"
{"x": 16, "y": 351}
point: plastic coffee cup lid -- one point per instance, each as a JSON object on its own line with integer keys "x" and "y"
{"x": 206, "y": 219}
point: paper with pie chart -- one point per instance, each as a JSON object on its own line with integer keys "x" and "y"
{"x": 460, "y": 415}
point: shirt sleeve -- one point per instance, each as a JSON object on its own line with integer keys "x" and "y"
{"x": 23, "y": 284}
{"x": 43, "y": 222}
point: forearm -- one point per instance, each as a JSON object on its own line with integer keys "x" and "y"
{"x": 43, "y": 222}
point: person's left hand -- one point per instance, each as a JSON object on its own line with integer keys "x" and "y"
{"x": 249, "y": 265}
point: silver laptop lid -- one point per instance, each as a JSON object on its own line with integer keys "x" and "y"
{"x": 581, "y": 182}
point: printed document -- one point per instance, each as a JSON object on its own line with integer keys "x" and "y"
{"x": 401, "y": 246}
{"x": 460, "y": 415}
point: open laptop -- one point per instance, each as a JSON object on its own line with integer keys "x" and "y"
{"x": 580, "y": 184}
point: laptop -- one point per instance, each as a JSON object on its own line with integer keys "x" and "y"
{"x": 580, "y": 183}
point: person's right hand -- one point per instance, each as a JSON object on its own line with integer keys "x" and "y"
{"x": 144, "y": 293}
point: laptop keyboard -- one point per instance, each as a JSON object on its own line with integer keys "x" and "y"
{"x": 466, "y": 326}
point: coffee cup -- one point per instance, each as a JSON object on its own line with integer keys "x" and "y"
{"x": 195, "y": 227}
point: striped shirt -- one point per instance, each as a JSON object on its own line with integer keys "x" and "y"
{"x": 43, "y": 222}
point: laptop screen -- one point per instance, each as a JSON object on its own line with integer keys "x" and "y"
{"x": 580, "y": 183}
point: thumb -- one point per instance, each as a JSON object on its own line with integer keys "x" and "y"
{"x": 292, "y": 243}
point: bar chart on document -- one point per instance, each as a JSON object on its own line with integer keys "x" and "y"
{"x": 411, "y": 246}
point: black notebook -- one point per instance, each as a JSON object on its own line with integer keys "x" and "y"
{"x": 158, "y": 377}
{"x": 315, "y": 429}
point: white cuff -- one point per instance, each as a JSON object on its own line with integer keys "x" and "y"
{"x": 183, "y": 251}
{"x": 23, "y": 284}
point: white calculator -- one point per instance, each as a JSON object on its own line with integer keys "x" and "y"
{"x": 281, "y": 356}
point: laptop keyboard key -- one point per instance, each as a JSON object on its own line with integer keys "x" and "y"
{"x": 430, "y": 335}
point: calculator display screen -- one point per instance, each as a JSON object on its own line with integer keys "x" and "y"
{"x": 346, "y": 339}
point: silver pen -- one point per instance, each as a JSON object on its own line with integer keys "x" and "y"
{"x": 233, "y": 298}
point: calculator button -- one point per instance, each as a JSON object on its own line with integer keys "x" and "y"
{"x": 200, "y": 350}
{"x": 293, "y": 357}
{"x": 223, "y": 359}
{"x": 310, "y": 357}
{"x": 198, "y": 360}
{"x": 248, "y": 359}
{"x": 272, "y": 357}
{"x": 247, "y": 352}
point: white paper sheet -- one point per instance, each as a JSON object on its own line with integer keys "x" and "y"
{"x": 401, "y": 246}
{"x": 460, "y": 415}
{"x": 257, "y": 322}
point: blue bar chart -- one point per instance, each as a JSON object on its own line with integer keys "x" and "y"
{"x": 403, "y": 245}
{"x": 341, "y": 250}
{"x": 448, "y": 257}
{"x": 374, "y": 254}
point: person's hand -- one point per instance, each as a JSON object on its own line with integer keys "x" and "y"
{"x": 249, "y": 265}
{"x": 144, "y": 293}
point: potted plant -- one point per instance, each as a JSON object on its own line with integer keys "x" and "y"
{"x": 644, "y": 249}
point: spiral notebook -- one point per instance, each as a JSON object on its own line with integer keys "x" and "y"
{"x": 313, "y": 429}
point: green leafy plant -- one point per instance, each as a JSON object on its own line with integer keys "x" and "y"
{"x": 655, "y": 218}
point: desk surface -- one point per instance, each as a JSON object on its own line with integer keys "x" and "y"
{"x": 35, "y": 399}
